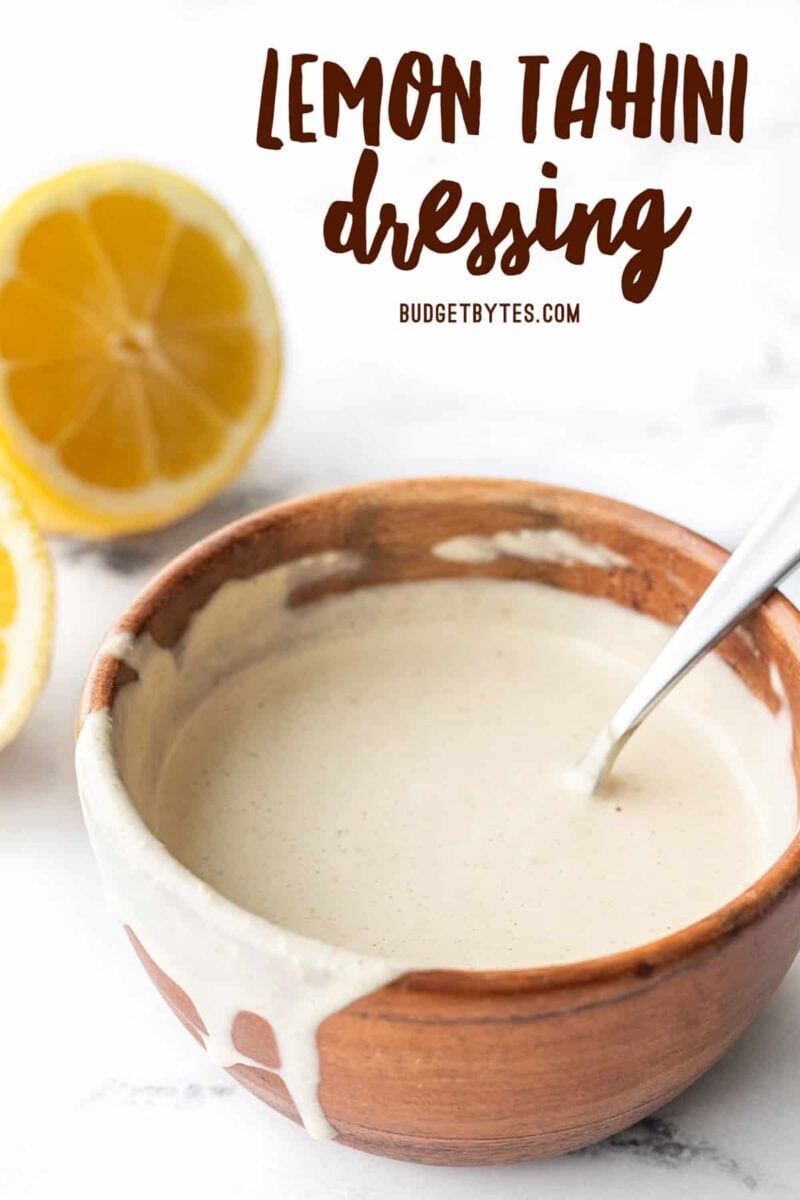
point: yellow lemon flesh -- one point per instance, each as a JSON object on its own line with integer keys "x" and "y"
{"x": 26, "y": 612}
{"x": 139, "y": 348}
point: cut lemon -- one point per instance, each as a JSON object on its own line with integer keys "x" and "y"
{"x": 26, "y": 612}
{"x": 139, "y": 348}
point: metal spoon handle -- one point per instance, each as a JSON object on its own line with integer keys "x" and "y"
{"x": 768, "y": 553}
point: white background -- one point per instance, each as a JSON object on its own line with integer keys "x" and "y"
{"x": 687, "y": 404}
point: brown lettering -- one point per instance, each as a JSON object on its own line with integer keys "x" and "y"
{"x": 367, "y": 91}
{"x": 641, "y": 96}
{"x": 566, "y": 112}
{"x": 531, "y": 83}
{"x": 297, "y": 107}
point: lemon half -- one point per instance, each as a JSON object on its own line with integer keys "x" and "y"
{"x": 26, "y": 612}
{"x": 139, "y": 348}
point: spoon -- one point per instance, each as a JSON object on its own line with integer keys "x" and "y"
{"x": 768, "y": 553}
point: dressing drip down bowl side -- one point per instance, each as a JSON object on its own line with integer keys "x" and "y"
{"x": 436, "y": 1065}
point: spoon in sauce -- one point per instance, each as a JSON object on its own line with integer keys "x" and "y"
{"x": 768, "y": 553}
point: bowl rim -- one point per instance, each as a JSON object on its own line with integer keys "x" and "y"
{"x": 637, "y": 963}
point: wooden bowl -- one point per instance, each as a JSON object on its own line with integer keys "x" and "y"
{"x": 493, "y": 1066}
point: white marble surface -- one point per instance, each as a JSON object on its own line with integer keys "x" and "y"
{"x": 687, "y": 404}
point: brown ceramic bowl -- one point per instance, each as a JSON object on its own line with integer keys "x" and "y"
{"x": 477, "y": 1066}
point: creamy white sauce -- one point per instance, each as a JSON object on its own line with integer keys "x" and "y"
{"x": 377, "y": 782}
{"x": 535, "y": 545}
{"x": 391, "y": 780}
